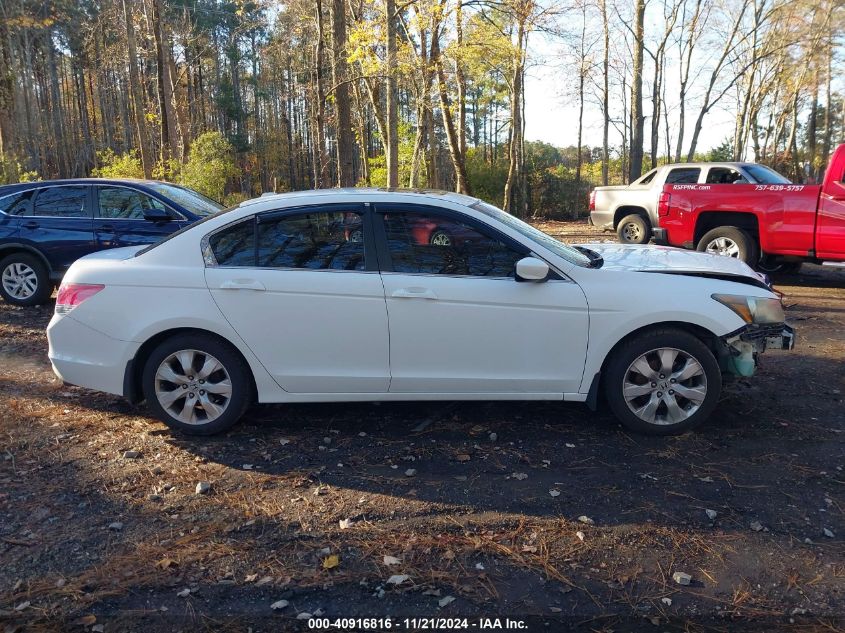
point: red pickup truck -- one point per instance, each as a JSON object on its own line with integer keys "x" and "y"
{"x": 774, "y": 228}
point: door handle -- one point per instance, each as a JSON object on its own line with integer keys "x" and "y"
{"x": 414, "y": 293}
{"x": 242, "y": 284}
{"x": 31, "y": 225}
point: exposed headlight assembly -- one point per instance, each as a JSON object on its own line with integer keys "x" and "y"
{"x": 759, "y": 310}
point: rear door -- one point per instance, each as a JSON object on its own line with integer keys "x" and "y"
{"x": 302, "y": 288}
{"x": 830, "y": 225}
{"x": 59, "y": 224}
{"x": 119, "y": 219}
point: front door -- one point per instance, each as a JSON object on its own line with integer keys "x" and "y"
{"x": 459, "y": 320}
{"x": 120, "y": 221}
{"x": 830, "y": 225}
{"x": 300, "y": 289}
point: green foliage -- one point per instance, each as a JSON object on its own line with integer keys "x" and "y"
{"x": 378, "y": 164}
{"x": 113, "y": 165}
{"x": 11, "y": 171}
{"x": 210, "y": 165}
{"x": 486, "y": 180}
{"x": 723, "y": 153}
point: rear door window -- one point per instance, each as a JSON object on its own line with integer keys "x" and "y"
{"x": 317, "y": 241}
{"x": 683, "y": 175}
{"x": 62, "y": 202}
{"x": 724, "y": 176}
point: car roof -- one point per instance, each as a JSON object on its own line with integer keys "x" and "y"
{"x": 704, "y": 164}
{"x": 22, "y": 186}
{"x": 362, "y": 192}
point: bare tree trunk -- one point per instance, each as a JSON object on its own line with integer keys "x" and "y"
{"x": 166, "y": 127}
{"x": 321, "y": 175}
{"x": 345, "y": 134}
{"x": 461, "y": 181}
{"x": 635, "y": 166}
{"x": 135, "y": 90}
{"x": 460, "y": 80}
{"x": 605, "y": 146}
{"x": 392, "y": 157}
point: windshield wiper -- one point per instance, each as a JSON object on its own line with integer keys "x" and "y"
{"x": 596, "y": 260}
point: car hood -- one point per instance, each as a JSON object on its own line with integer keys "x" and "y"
{"x": 665, "y": 259}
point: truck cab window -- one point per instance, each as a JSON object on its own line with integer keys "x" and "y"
{"x": 683, "y": 175}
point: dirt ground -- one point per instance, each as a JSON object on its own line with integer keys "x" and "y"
{"x": 477, "y": 503}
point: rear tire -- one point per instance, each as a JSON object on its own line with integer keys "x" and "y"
{"x": 633, "y": 229}
{"x": 730, "y": 241}
{"x": 638, "y": 382}
{"x": 24, "y": 280}
{"x": 197, "y": 384}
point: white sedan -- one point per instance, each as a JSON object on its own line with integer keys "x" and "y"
{"x": 374, "y": 295}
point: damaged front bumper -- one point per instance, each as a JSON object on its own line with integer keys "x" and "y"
{"x": 740, "y": 350}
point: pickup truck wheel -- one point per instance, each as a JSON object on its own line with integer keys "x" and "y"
{"x": 662, "y": 382}
{"x": 633, "y": 229}
{"x": 730, "y": 241}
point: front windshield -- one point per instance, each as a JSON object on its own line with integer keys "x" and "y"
{"x": 547, "y": 241}
{"x": 191, "y": 200}
{"x": 765, "y": 176}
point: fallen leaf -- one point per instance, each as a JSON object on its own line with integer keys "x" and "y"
{"x": 391, "y": 560}
{"x": 265, "y": 580}
{"x": 345, "y": 524}
{"x": 554, "y": 493}
{"x": 330, "y": 562}
{"x": 446, "y": 601}
{"x": 531, "y": 549}
{"x": 251, "y": 578}
{"x": 166, "y": 563}
{"x": 463, "y": 457}
{"x": 279, "y": 604}
{"x": 184, "y": 593}
{"x": 519, "y": 476}
{"x": 397, "y": 579}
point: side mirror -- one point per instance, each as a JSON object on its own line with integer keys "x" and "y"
{"x": 157, "y": 215}
{"x": 531, "y": 269}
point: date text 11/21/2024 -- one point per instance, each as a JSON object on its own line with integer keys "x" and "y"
{"x": 416, "y": 624}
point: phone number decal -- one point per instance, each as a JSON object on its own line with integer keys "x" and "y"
{"x": 778, "y": 187}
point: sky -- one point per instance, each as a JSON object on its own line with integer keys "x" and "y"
{"x": 551, "y": 114}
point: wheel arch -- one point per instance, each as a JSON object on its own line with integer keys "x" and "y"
{"x": 706, "y": 336}
{"x": 10, "y": 248}
{"x": 133, "y": 373}
{"x": 709, "y": 220}
{"x": 625, "y": 210}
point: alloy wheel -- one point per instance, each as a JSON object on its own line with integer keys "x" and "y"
{"x": 439, "y": 238}
{"x": 664, "y": 386}
{"x": 723, "y": 246}
{"x": 20, "y": 280}
{"x": 193, "y": 386}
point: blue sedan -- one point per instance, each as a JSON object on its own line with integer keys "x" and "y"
{"x": 46, "y": 226}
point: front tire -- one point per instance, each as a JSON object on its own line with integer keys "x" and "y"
{"x": 633, "y": 229}
{"x": 730, "y": 241}
{"x": 662, "y": 382}
{"x": 197, "y": 384}
{"x": 775, "y": 266}
{"x": 24, "y": 280}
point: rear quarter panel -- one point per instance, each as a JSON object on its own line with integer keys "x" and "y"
{"x": 786, "y": 214}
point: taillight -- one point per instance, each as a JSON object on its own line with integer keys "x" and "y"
{"x": 71, "y": 295}
{"x": 592, "y": 200}
{"x": 663, "y": 204}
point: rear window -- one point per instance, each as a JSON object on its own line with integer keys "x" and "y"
{"x": 191, "y": 200}
{"x": 17, "y": 203}
{"x": 683, "y": 175}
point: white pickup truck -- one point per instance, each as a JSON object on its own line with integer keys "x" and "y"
{"x": 631, "y": 210}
